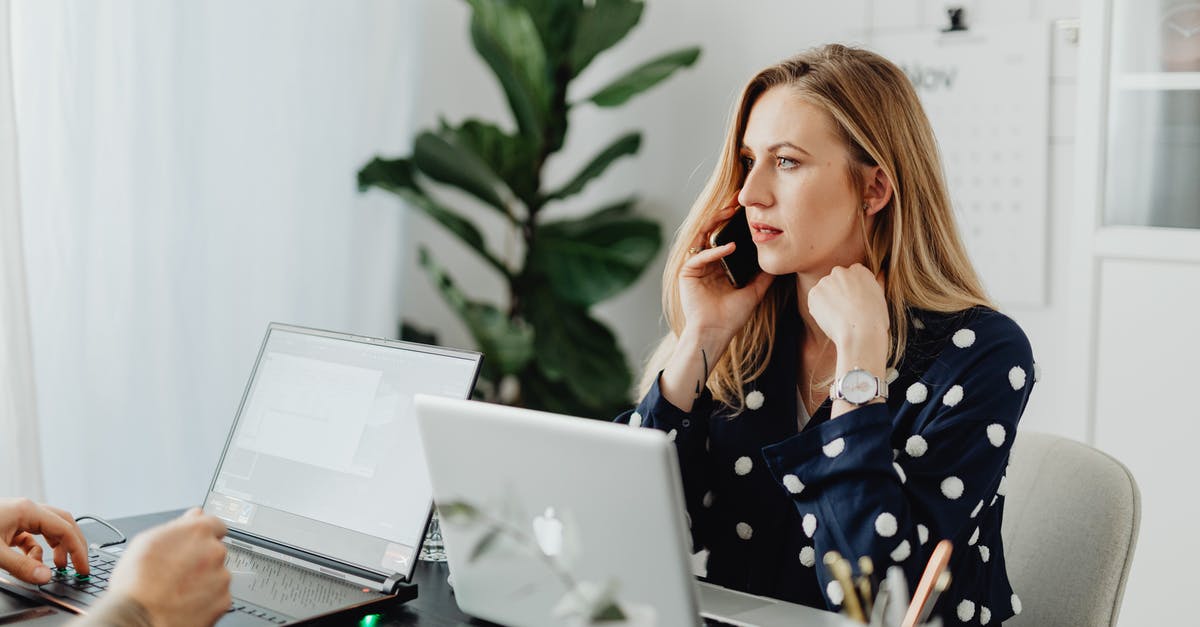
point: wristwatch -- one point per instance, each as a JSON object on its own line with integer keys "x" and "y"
{"x": 858, "y": 387}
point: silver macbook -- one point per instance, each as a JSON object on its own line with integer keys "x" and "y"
{"x": 542, "y": 514}
{"x": 322, "y": 482}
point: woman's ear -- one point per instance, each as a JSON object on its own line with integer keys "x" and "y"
{"x": 877, "y": 193}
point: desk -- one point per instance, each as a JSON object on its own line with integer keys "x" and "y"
{"x": 433, "y": 607}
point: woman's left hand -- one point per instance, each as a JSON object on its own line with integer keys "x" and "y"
{"x": 850, "y": 308}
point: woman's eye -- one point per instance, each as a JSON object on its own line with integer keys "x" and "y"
{"x": 785, "y": 163}
{"x": 747, "y": 163}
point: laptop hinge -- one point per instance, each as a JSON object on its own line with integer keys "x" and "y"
{"x": 313, "y": 563}
{"x": 392, "y": 583}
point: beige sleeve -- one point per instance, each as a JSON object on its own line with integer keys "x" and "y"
{"x": 115, "y": 611}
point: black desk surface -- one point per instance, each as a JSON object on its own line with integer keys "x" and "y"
{"x": 433, "y": 607}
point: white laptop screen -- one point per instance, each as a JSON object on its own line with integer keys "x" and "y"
{"x": 325, "y": 454}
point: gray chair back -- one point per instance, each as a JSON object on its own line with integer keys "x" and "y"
{"x": 1071, "y": 519}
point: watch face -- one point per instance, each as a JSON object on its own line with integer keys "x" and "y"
{"x": 858, "y": 386}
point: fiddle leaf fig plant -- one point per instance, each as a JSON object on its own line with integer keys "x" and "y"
{"x": 543, "y": 348}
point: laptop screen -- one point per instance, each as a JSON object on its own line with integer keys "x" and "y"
{"x": 324, "y": 454}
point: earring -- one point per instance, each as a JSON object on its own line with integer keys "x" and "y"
{"x": 865, "y": 206}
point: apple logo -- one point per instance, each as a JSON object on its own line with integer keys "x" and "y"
{"x": 548, "y": 531}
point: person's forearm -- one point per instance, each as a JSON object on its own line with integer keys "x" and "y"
{"x": 115, "y": 611}
{"x": 687, "y": 371}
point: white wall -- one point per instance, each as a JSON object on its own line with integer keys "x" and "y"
{"x": 683, "y": 121}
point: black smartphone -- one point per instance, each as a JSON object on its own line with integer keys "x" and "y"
{"x": 741, "y": 266}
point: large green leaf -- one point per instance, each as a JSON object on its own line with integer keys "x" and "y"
{"x": 590, "y": 259}
{"x": 625, "y": 145}
{"x": 398, "y": 176}
{"x": 507, "y": 345}
{"x": 444, "y": 161}
{"x": 600, "y": 27}
{"x": 556, "y": 22}
{"x": 512, "y": 157}
{"x": 505, "y": 36}
{"x": 578, "y": 354}
{"x": 644, "y": 77}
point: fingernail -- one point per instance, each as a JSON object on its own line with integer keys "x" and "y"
{"x": 41, "y": 573}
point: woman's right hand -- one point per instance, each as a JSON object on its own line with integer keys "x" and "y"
{"x": 712, "y": 306}
{"x": 713, "y": 310}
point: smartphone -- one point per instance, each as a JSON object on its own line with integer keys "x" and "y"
{"x": 741, "y": 266}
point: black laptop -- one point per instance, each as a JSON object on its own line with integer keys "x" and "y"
{"x": 322, "y": 483}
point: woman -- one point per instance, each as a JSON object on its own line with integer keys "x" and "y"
{"x": 866, "y": 292}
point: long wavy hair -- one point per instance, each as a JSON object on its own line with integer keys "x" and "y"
{"x": 914, "y": 239}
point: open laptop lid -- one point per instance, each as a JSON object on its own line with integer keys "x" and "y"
{"x": 606, "y": 495}
{"x": 324, "y": 457}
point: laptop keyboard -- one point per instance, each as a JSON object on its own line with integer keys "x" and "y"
{"x": 83, "y": 589}
{"x": 86, "y": 589}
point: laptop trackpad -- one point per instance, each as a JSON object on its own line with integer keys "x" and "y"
{"x": 288, "y": 589}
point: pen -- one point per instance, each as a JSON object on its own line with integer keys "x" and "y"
{"x": 943, "y": 582}
{"x": 933, "y": 571}
{"x": 897, "y": 597}
{"x": 866, "y": 569}
{"x": 839, "y": 569}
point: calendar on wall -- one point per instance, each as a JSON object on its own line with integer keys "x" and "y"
{"x": 987, "y": 95}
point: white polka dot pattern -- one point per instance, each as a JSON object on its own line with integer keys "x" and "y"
{"x": 809, "y": 524}
{"x": 918, "y": 324}
{"x": 922, "y": 533}
{"x": 900, "y": 472}
{"x": 1016, "y": 377}
{"x": 672, "y": 434}
{"x": 901, "y": 552}
{"x": 996, "y": 434}
{"x": 917, "y": 393}
{"x": 707, "y": 501}
{"x": 743, "y": 466}
{"x": 754, "y": 400}
{"x": 835, "y": 592}
{"x": 975, "y": 512}
{"x": 952, "y": 487}
{"x": 985, "y": 615}
{"x": 966, "y": 611}
{"x": 953, "y": 396}
{"x": 834, "y": 448}
{"x": 1016, "y": 604}
{"x": 744, "y": 531}
{"x": 636, "y": 420}
{"x": 916, "y": 446}
{"x": 793, "y": 484}
{"x": 808, "y": 557}
{"x": 963, "y": 338}
{"x": 974, "y": 537}
{"x": 985, "y": 553}
{"x": 886, "y": 525}
{"x": 892, "y": 375}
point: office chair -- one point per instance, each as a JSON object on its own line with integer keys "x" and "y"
{"x": 1071, "y": 519}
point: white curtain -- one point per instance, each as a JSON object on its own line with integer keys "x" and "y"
{"x": 20, "y": 464}
{"x": 187, "y": 175}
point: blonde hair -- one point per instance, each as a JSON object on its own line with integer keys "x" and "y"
{"x": 914, "y": 239}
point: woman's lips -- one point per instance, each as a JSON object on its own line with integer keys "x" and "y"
{"x": 763, "y": 232}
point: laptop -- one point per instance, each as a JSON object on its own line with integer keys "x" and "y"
{"x": 322, "y": 483}
{"x": 535, "y": 505}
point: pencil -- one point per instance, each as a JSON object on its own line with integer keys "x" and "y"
{"x": 933, "y": 570}
{"x": 866, "y": 569}
{"x": 839, "y": 569}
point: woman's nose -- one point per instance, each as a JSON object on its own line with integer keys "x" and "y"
{"x": 755, "y": 191}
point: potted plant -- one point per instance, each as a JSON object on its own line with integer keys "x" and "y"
{"x": 536, "y": 49}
